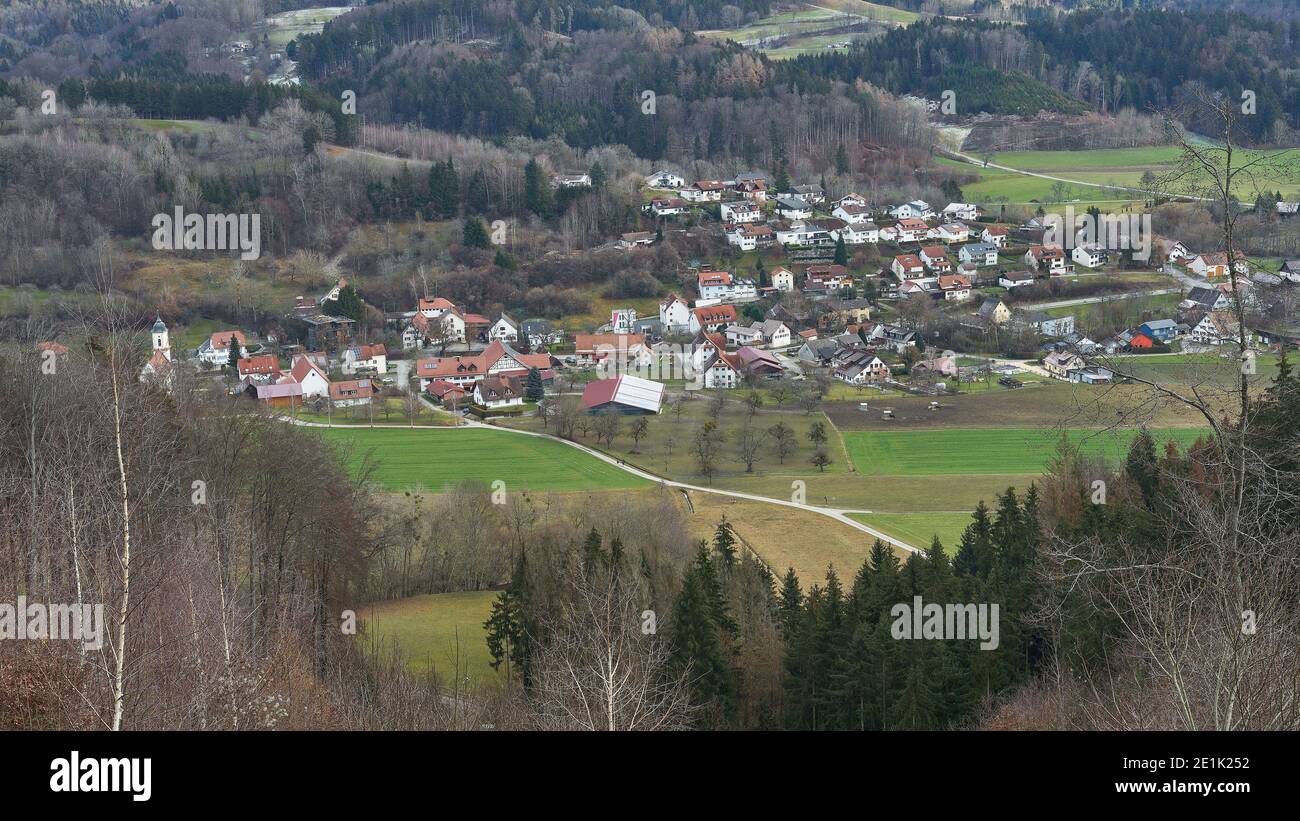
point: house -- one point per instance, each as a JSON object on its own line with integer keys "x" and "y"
{"x": 739, "y": 335}
{"x": 1171, "y": 250}
{"x": 800, "y": 234}
{"x": 215, "y": 350}
{"x": 668, "y": 207}
{"x": 759, "y": 363}
{"x": 505, "y": 329}
{"x": 1216, "y": 328}
{"x": 1060, "y": 364}
{"x": 979, "y": 253}
{"x": 935, "y": 257}
{"x": 364, "y": 359}
{"x": 793, "y": 208}
{"x": 1161, "y": 330}
{"x": 953, "y": 232}
{"x": 960, "y": 211}
{"x": 722, "y": 370}
{"x": 664, "y": 179}
{"x": 704, "y": 346}
{"x": 750, "y": 237}
{"x": 752, "y": 189}
{"x": 1216, "y": 264}
{"x": 590, "y": 349}
{"x": 852, "y": 214}
{"x": 276, "y": 395}
{"x": 827, "y": 277}
{"x": 858, "y": 233}
{"x": 712, "y": 317}
{"x": 818, "y": 351}
{"x": 259, "y": 368}
{"x": 1210, "y": 299}
{"x": 921, "y": 286}
{"x": 775, "y": 332}
{"x": 783, "y": 279}
{"x": 1287, "y": 209}
{"x": 497, "y": 359}
{"x": 920, "y": 209}
{"x": 328, "y": 333}
{"x": 907, "y": 266}
{"x": 994, "y": 311}
{"x": 623, "y": 394}
{"x": 852, "y": 198}
{"x": 571, "y": 180}
{"x": 1050, "y": 326}
{"x": 1045, "y": 257}
{"x": 862, "y": 368}
{"x": 448, "y": 394}
{"x": 634, "y": 239}
{"x": 493, "y": 392}
{"x": 911, "y": 229}
{"x": 1091, "y": 375}
{"x": 813, "y": 194}
{"x": 308, "y": 372}
{"x": 854, "y": 310}
{"x": 741, "y": 211}
{"x": 896, "y": 336}
{"x": 955, "y": 288}
{"x": 1140, "y": 341}
{"x": 674, "y": 314}
{"x": 346, "y": 393}
{"x": 1015, "y": 279}
{"x": 995, "y": 235}
{"x": 703, "y": 191}
{"x": 1089, "y": 256}
{"x": 945, "y": 365}
{"x": 721, "y": 286}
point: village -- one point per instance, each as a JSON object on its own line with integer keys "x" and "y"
{"x": 809, "y": 318}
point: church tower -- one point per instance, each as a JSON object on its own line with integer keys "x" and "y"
{"x": 160, "y": 339}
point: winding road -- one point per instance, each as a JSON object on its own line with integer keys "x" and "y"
{"x": 838, "y": 514}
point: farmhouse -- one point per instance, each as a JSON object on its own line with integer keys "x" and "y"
{"x": 862, "y": 368}
{"x": 1216, "y": 265}
{"x": 1215, "y": 328}
{"x": 623, "y": 394}
{"x": 497, "y": 359}
{"x": 674, "y": 314}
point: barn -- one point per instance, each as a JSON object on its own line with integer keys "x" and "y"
{"x": 623, "y": 394}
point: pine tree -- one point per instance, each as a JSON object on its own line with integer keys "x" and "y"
{"x": 474, "y": 235}
{"x": 841, "y": 251}
{"x": 593, "y": 557}
{"x": 232, "y": 354}
{"x": 508, "y": 627}
{"x": 789, "y": 604}
{"x": 597, "y": 174}
{"x": 538, "y": 196}
{"x": 724, "y": 542}
{"x": 534, "y": 389}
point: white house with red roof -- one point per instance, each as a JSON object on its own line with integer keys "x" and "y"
{"x": 365, "y": 359}
{"x": 907, "y": 266}
{"x": 215, "y": 350}
{"x": 712, "y": 317}
{"x": 995, "y": 234}
{"x": 497, "y": 359}
{"x": 912, "y": 229}
{"x": 721, "y": 286}
{"x": 310, "y": 376}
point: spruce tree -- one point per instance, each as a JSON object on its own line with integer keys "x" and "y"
{"x": 724, "y": 542}
{"x": 474, "y": 234}
{"x": 534, "y": 389}
{"x": 538, "y": 196}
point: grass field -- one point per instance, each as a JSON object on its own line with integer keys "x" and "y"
{"x": 390, "y": 410}
{"x": 443, "y": 631}
{"x": 950, "y": 452}
{"x": 1115, "y": 167}
{"x": 919, "y": 529}
{"x": 281, "y": 28}
{"x": 439, "y": 458}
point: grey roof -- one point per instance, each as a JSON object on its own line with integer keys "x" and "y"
{"x": 1161, "y": 323}
{"x": 791, "y": 203}
{"x": 979, "y": 247}
{"x": 1205, "y": 296}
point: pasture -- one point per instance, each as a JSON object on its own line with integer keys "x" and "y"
{"x": 442, "y": 631}
{"x": 437, "y": 459}
{"x": 919, "y": 529}
{"x": 955, "y": 452}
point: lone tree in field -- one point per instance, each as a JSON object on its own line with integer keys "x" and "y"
{"x": 821, "y": 459}
{"x": 638, "y": 431}
{"x": 817, "y": 434}
{"x": 783, "y": 440}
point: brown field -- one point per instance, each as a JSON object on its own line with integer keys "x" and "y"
{"x": 784, "y": 537}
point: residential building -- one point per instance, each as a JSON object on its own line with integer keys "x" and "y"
{"x": 1015, "y": 279}
{"x": 979, "y": 253}
{"x": 215, "y": 350}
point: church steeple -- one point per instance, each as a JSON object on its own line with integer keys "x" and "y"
{"x": 161, "y": 342}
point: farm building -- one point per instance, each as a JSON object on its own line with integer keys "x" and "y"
{"x": 623, "y": 394}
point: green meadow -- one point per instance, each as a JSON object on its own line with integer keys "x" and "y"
{"x": 951, "y": 452}
{"x": 440, "y": 458}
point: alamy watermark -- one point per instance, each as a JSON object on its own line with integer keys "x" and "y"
{"x": 946, "y": 622}
{"x": 661, "y": 362}
{"x": 1113, "y": 232}
{"x": 208, "y": 232}
{"x": 57, "y": 622}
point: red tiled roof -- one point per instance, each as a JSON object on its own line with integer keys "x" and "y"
{"x": 713, "y": 314}
{"x": 264, "y": 364}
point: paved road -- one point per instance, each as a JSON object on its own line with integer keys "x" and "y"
{"x": 838, "y": 514}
